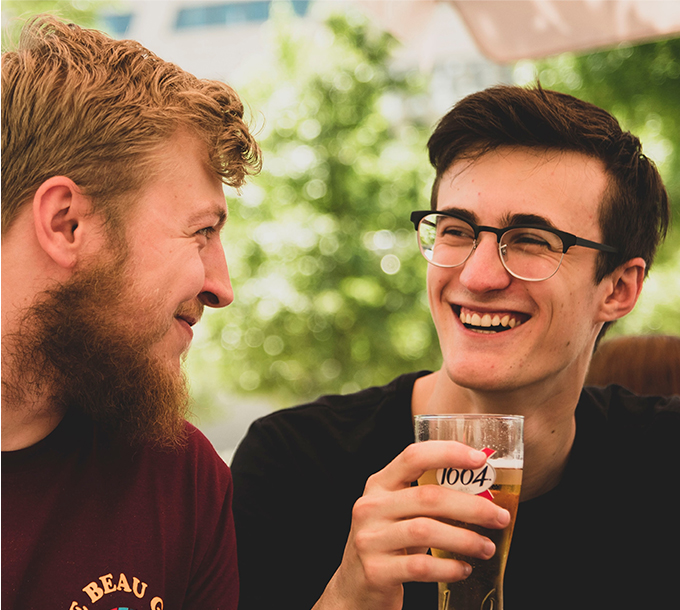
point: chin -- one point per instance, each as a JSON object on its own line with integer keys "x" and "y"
{"x": 481, "y": 379}
{"x": 176, "y": 363}
{"x": 172, "y": 356}
{"x": 171, "y": 363}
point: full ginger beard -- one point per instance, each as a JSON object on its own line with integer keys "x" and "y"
{"x": 81, "y": 347}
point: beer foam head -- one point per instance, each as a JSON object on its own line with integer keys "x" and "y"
{"x": 508, "y": 463}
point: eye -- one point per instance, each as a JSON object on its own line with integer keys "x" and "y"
{"x": 530, "y": 239}
{"x": 533, "y": 240}
{"x": 458, "y": 232}
{"x": 207, "y": 232}
{"x": 454, "y": 229}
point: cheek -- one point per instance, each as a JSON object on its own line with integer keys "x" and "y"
{"x": 192, "y": 271}
{"x": 437, "y": 279}
{"x": 434, "y": 288}
{"x": 176, "y": 276}
{"x": 572, "y": 318}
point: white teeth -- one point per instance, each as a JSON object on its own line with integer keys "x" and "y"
{"x": 487, "y": 320}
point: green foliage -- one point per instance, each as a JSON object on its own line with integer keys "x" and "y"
{"x": 329, "y": 284}
{"x": 328, "y": 279}
{"x": 640, "y": 85}
{"x": 16, "y": 12}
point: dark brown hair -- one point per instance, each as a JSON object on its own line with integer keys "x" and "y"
{"x": 634, "y": 214}
{"x": 80, "y": 104}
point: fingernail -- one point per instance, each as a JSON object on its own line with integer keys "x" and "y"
{"x": 489, "y": 548}
{"x": 467, "y": 570}
{"x": 503, "y": 517}
{"x": 477, "y": 455}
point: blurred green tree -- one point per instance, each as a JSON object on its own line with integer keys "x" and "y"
{"x": 330, "y": 287}
{"x": 640, "y": 85}
{"x": 15, "y": 12}
{"x": 329, "y": 283}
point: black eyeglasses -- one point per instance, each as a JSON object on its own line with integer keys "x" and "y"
{"x": 528, "y": 252}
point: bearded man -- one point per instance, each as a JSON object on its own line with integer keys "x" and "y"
{"x": 113, "y": 168}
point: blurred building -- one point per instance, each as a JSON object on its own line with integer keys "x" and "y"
{"x": 226, "y": 39}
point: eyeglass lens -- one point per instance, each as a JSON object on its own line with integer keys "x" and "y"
{"x": 532, "y": 254}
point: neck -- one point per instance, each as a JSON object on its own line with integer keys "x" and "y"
{"x": 22, "y": 428}
{"x": 28, "y": 415}
{"x": 549, "y": 424}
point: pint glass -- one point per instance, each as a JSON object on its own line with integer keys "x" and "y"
{"x": 499, "y": 480}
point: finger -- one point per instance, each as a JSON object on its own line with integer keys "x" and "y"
{"x": 418, "y": 458}
{"x": 429, "y": 533}
{"x": 386, "y": 571}
{"x": 430, "y": 501}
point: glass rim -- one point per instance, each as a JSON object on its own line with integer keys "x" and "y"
{"x": 466, "y": 416}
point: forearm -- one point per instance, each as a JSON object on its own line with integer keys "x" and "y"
{"x": 354, "y": 594}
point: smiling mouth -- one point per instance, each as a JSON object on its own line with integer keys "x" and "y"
{"x": 490, "y": 323}
{"x": 190, "y": 313}
{"x": 188, "y": 319}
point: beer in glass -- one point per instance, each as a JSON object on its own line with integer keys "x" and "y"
{"x": 499, "y": 480}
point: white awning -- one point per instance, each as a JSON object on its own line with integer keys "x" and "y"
{"x": 508, "y": 30}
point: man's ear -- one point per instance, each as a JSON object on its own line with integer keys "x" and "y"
{"x": 60, "y": 214}
{"x": 622, "y": 289}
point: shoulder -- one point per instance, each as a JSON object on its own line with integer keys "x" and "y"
{"x": 197, "y": 447}
{"x": 190, "y": 465}
{"x": 192, "y": 447}
{"x": 369, "y": 406}
{"x": 651, "y": 422}
{"x": 620, "y": 405}
{"x": 375, "y": 419}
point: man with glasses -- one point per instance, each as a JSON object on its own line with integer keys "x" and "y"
{"x": 545, "y": 220}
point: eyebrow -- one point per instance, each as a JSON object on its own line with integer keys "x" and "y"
{"x": 508, "y": 220}
{"x": 214, "y": 211}
{"x": 527, "y": 219}
{"x": 465, "y": 214}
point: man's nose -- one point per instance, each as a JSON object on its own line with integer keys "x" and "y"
{"x": 217, "y": 290}
{"x": 483, "y": 271}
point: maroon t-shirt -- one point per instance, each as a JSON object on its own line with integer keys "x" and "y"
{"x": 91, "y": 524}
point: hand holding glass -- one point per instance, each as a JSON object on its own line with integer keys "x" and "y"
{"x": 499, "y": 480}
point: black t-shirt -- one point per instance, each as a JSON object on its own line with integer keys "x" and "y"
{"x": 88, "y": 522}
{"x": 603, "y": 538}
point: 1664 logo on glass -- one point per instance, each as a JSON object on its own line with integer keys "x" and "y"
{"x": 476, "y": 482}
